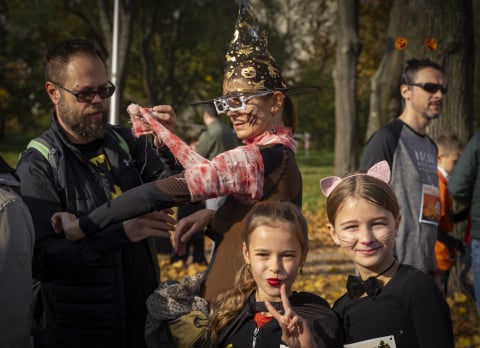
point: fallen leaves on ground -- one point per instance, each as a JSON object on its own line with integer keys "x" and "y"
{"x": 325, "y": 274}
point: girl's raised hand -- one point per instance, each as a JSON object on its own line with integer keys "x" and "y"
{"x": 296, "y": 332}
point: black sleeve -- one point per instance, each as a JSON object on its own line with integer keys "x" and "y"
{"x": 146, "y": 198}
{"x": 461, "y": 215}
{"x": 465, "y": 176}
{"x": 381, "y": 146}
{"x": 272, "y": 158}
{"x": 428, "y": 312}
{"x": 325, "y": 324}
{"x": 55, "y": 256}
{"x": 153, "y": 196}
{"x": 151, "y": 162}
{"x": 446, "y": 238}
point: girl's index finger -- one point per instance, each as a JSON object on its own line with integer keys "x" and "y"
{"x": 284, "y": 297}
{"x": 272, "y": 310}
{"x": 285, "y": 304}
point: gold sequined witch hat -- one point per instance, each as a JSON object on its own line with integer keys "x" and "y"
{"x": 248, "y": 57}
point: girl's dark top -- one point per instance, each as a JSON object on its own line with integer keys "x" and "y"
{"x": 410, "y": 307}
{"x": 324, "y": 324}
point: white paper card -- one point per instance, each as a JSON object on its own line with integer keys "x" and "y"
{"x": 380, "y": 342}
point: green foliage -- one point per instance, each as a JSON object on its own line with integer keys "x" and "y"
{"x": 12, "y": 146}
{"x": 316, "y": 110}
{"x": 181, "y": 52}
{"x": 313, "y": 199}
{"x": 314, "y": 166}
{"x": 300, "y": 42}
{"x": 31, "y": 28}
{"x": 177, "y": 56}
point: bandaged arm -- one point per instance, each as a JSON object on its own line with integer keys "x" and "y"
{"x": 238, "y": 172}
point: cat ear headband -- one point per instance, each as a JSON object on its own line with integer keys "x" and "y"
{"x": 381, "y": 171}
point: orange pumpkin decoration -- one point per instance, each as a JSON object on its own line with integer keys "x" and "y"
{"x": 430, "y": 44}
{"x": 401, "y": 43}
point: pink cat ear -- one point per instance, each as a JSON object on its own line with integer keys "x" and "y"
{"x": 381, "y": 171}
{"x": 328, "y": 184}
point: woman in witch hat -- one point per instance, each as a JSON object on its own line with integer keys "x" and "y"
{"x": 256, "y": 100}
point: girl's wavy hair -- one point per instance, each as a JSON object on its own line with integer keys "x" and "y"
{"x": 227, "y": 305}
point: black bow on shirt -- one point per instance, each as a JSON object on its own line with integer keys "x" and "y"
{"x": 356, "y": 287}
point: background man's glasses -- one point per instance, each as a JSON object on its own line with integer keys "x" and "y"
{"x": 235, "y": 103}
{"x": 88, "y": 95}
{"x": 431, "y": 87}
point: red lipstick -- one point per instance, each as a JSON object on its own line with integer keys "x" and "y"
{"x": 274, "y": 281}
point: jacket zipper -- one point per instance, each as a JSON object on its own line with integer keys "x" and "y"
{"x": 255, "y": 333}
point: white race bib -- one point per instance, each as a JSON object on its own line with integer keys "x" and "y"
{"x": 380, "y": 342}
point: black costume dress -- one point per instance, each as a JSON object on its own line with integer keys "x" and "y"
{"x": 410, "y": 307}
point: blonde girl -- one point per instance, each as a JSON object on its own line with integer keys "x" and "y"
{"x": 390, "y": 302}
{"x": 262, "y": 310}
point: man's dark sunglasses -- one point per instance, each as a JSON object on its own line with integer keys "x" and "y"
{"x": 88, "y": 95}
{"x": 431, "y": 87}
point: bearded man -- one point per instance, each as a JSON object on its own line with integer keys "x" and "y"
{"x": 94, "y": 290}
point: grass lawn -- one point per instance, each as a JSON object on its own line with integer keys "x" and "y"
{"x": 314, "y": 167}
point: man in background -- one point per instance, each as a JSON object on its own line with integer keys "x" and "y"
{"x": 218, "y": 137}
{"x": 412, "y": 156}
{"x": 464, "y": 186}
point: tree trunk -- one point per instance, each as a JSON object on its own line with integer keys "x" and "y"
{"x": 345, "y": 76}
{"x": 454, "y": 35}
{"x": 385, "y": 99}
{"x": 476, "y": 44}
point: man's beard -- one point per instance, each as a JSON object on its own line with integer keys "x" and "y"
{"x": 90, "y": 129}
{"x": 431, "y": 116}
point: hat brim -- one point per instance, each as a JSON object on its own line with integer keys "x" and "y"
{"x": 299, "y": 90}
{"x": 287, "y": 91}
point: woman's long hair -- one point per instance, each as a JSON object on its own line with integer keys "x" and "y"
{"x": 289, "y": 114}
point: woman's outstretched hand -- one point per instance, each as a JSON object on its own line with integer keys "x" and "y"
{"x": 165, "y": 114}
{"x": 189, "y": 225}
{"x": 67, "y": 223}
{"x": 296, "y": 332}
